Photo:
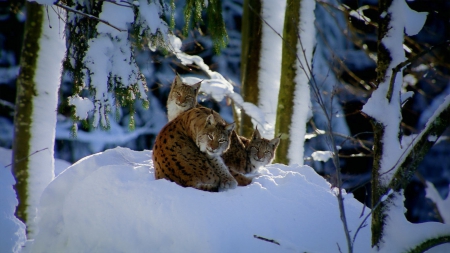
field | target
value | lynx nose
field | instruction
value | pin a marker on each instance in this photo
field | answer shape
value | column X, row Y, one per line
column 260, row 156
column 181, row 100
column 214, row 146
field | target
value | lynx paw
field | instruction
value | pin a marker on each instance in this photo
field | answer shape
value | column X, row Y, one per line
column 227, row 184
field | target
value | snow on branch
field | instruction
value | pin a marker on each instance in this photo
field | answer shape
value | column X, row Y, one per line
column 67, row 8
column 384, row 105
column 217, row 86
column 418, row 146
column 100, row 55
column 416, row 237
column 443, row 205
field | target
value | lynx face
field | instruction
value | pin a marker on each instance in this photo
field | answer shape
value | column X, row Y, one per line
column 260, row 151
column 214, row 139
column 182, row 97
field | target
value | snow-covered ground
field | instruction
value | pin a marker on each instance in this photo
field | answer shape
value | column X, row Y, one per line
column 110, row 202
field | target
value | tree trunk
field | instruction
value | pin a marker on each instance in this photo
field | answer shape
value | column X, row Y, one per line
column 250, row 59
column 26, row 90
column 287, row 81
column 379, row 187
column 36, row 104
column 294, row 95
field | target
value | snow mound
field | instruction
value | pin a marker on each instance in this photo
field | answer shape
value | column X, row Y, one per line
column 12, row 230
column 110, row 202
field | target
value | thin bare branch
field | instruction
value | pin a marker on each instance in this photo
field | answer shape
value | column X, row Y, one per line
column 24, row 158
column 401, row 65
column 90, row 16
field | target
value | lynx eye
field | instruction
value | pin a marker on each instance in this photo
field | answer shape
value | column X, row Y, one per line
column 210, row 137
column 222, row 140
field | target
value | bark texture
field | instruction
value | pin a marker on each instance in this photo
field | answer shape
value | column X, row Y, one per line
column 287, row 81
column 250, row 59
column 26, row 90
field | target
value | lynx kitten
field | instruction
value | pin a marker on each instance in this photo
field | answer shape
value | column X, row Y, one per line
column 246, row 156
column 188, row 151
column 182, row 97
column 260, row 151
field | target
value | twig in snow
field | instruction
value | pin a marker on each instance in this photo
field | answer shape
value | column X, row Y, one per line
column 90, row 16
column 266, row 239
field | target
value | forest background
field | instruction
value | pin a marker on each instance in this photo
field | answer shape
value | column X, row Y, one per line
column 346, row 38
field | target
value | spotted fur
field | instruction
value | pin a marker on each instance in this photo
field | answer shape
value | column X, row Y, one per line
column 188, row 151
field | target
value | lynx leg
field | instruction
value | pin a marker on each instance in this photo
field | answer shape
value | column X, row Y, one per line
column 240, row 178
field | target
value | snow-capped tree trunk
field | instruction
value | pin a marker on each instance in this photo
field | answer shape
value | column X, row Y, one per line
column 36, row 106
column 270, row 63
column 261, row 61
column 294, row 95
column 250, row 58
column 396, row 156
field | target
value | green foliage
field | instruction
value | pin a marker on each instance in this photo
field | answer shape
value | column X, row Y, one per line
column 216, row 25
column 142, row 34
column 82, row 34
column 126, row 87
column 79, row 30
column 192, row 10
column 172, row 15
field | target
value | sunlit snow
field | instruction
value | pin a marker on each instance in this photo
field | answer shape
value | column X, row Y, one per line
column 110, row 202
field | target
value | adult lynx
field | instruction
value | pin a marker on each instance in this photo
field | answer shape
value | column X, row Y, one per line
column 188, row 151
column 182, row 97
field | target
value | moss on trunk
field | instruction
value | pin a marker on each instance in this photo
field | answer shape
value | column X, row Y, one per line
column 287, row 82
column 250, row 58
column 378, row 190
column 26, row 90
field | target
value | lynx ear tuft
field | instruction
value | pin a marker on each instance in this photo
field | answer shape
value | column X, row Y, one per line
column 274, row 142
column 230, row 127
column 256, row 134
column 196, row 86
column 177, row 81
column 210, row 119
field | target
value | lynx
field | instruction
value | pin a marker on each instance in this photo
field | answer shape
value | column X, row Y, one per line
column 182, row 97
column 188, row 151
column 260, row 151
column 246, row 156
